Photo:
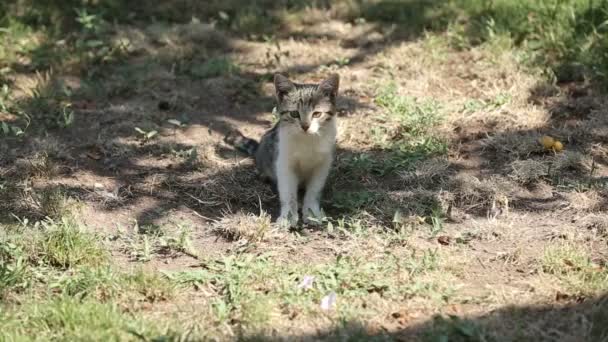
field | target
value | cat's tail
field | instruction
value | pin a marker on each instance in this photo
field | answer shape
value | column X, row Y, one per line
column 241, row 142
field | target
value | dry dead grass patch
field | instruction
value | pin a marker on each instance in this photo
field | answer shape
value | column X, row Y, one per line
column 597, row 223
column 243, row 290
column 514, row 145
column 471, row 192
column 428, row 173
column 572, row 161
column 250, row 227
column 587, row 201
column 528, row 171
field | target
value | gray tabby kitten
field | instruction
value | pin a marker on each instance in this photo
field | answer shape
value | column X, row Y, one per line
column 298, row 150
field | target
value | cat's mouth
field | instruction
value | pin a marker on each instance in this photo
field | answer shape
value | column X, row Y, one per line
column 309, row 132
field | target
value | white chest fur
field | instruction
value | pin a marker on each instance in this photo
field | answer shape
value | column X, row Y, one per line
column 304, row 153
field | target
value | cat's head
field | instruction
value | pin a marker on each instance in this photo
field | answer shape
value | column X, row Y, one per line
column 308, row 107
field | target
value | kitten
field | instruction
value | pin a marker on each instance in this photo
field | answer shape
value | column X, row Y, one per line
column 298, row 151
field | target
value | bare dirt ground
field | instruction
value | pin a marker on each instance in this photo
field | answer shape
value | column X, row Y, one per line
column 497, row 230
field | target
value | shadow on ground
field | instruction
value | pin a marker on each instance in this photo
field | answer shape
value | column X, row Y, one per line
column 582, row 319
column 114, row 90
column 183, row 70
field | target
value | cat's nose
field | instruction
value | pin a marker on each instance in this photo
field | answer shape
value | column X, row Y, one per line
column 305, row 126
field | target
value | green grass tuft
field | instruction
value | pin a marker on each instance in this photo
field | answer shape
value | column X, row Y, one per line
column 64, row 244
column 14, row 274
column 70, row 319
column 413, row 116
column 575, row 270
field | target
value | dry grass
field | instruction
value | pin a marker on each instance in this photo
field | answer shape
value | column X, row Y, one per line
column 514, row 145
column 528, row 171
column 427, row 173
column 572, row 161
column 587, row 201
column 597, row 223
column 242, row 226
column 471, row 192
column 443, row 201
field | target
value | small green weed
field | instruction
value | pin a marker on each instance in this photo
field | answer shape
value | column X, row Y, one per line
column 238, row 281
column 47, row 105
column 13, row 267
column 194, row 278
column 405, row 154
column 154, row 239
column 473, row 105
column 181, row 242
column 476, row 105
column 349, row 227
column 151, row 287
column 17, row 39
column 342, row 61
column 575, row 270
column 91, row 22
column 365, row 164
column 88, row 282
column 50, row 202
column 11, row 128
column 104, row 283
column 189, row 155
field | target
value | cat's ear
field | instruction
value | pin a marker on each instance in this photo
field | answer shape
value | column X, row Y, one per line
column 330, row 85
column 282, row 85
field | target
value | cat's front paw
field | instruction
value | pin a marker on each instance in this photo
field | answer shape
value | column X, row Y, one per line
column 313, row 217
column 287, row 221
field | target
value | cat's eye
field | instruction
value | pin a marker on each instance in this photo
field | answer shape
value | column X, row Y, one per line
column 294, row 114
column 316, row 114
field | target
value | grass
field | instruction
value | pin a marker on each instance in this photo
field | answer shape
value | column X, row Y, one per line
column 63, row 244
column 404, row 135
column 60, row 243
column 572, row 49
column 413, row 116
column 449, row 221
column 146, row 242
column 64, row 282
column 65, row 318
column 573, row 267
column 254, row 289
column 13, row 269
column 353, row 201
column 243, row 226
column 214, row 67
column 408, row 123
column 453, row 328
column 48, row 244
